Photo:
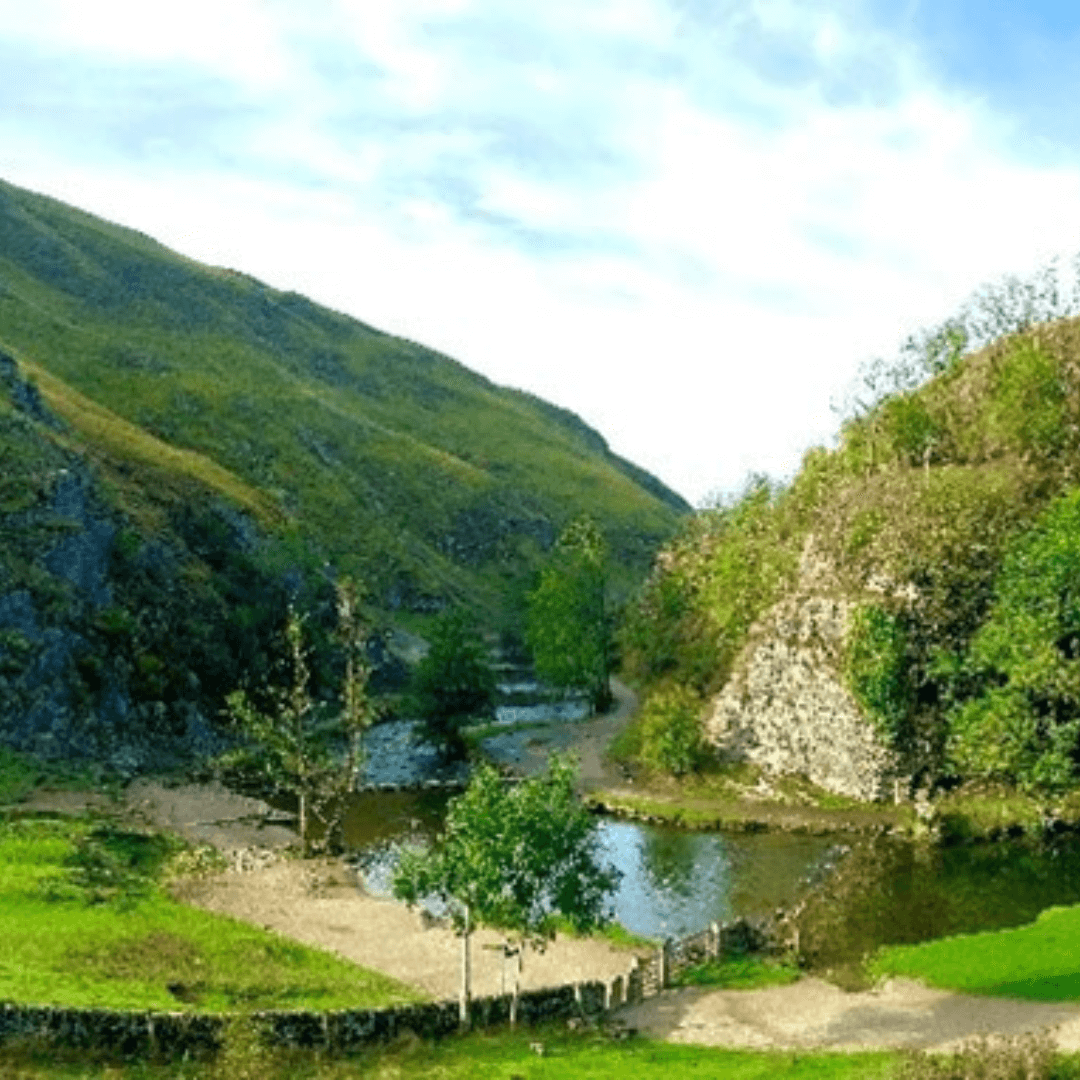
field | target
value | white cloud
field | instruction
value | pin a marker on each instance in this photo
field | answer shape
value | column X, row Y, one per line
column 680, row 229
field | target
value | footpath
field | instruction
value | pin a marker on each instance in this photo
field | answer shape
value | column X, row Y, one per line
column 812, row 1014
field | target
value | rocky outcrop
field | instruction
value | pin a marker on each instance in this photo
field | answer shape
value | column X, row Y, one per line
column 786, row 706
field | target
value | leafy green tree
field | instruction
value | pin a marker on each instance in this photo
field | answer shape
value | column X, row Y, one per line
column 1022, row 720
column 454, row 682
column 513, row 856
column 671, row 737
column 568, row 626
column 298, row 739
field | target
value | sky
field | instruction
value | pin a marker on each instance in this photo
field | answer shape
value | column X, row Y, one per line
column 689, row 221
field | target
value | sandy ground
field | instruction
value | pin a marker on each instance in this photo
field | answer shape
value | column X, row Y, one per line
column 319, row 904
column 322, row 903
column 814, row 1014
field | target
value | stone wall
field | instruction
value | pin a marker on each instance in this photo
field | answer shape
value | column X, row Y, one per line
column 786, row 707
column 138, row 1034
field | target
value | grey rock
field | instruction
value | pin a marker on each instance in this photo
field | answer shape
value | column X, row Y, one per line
column 17, row 612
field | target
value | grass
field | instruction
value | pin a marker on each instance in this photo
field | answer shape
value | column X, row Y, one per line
column 738, row 973
column 1036, row 962
column 22, row 773
column 485, row 1056
column 86, row 923
column 613, row 933
column 18, row 776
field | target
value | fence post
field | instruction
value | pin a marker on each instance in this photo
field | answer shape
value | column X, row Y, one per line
column 714, row 940
column 662, row 971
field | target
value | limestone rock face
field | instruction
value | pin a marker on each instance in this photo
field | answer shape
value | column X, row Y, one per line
column 786, row 707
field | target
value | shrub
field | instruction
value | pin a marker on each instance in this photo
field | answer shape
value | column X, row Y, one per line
column 1028, row 404
column 877, row 669
column 1020, row 724
column 671, row 737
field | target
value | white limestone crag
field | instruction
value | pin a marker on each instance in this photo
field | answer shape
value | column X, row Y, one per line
column 786, row 706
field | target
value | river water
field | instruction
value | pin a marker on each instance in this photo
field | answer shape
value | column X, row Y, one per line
column 675, row 882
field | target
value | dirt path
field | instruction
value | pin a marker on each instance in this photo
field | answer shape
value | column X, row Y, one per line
column 527, row 752
column 815, row 1014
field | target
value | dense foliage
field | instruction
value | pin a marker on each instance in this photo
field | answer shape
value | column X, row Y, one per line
column 945, row 513
column 569, row 627
column 1021, row 721
column 671, row 736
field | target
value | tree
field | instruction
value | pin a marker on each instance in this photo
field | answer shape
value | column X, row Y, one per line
column 453, row 682
column 671, row 737
column 568, row 627
column 1022, row 724
column 514, row 857
column 299, row 739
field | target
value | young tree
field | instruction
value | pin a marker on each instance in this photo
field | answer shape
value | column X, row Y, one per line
column 513, row 856
column 453, row 682
column 568, row 627
column 300, row 739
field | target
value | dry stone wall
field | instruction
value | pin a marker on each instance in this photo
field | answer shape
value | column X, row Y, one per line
column 786, row 707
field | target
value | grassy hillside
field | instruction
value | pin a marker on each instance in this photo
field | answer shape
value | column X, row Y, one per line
column 391, row 460
column 949, row 514
column 183, row 450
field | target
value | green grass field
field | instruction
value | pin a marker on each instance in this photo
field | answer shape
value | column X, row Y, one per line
column 87, row 924
column 737, row 973
column 484, row 1056
column 1039, row 962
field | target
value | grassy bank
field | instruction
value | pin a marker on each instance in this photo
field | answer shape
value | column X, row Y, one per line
column 87, row 923
column 741, row 799
column 1036, row 962
column 738, row 973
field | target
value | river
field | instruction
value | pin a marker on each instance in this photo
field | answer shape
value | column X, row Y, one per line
column 675, row 882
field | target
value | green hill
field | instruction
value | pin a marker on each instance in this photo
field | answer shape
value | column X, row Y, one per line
column 907, row 609
column 395, row 461
column 181, row 444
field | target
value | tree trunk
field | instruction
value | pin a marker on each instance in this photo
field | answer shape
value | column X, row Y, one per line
column 517, row 984
column 465, row 972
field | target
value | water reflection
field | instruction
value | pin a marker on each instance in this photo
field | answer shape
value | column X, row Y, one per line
column 675, row 883
column 894, row 892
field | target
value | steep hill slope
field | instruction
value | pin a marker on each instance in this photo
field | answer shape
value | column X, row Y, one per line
column 182, row 447
column 392, row 460
column 906, row 610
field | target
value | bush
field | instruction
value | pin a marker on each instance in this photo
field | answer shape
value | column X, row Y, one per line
column 1020, row 724
column 1022, row 1057
column 876, row 664
column 1028, row 404
column 671, row 737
